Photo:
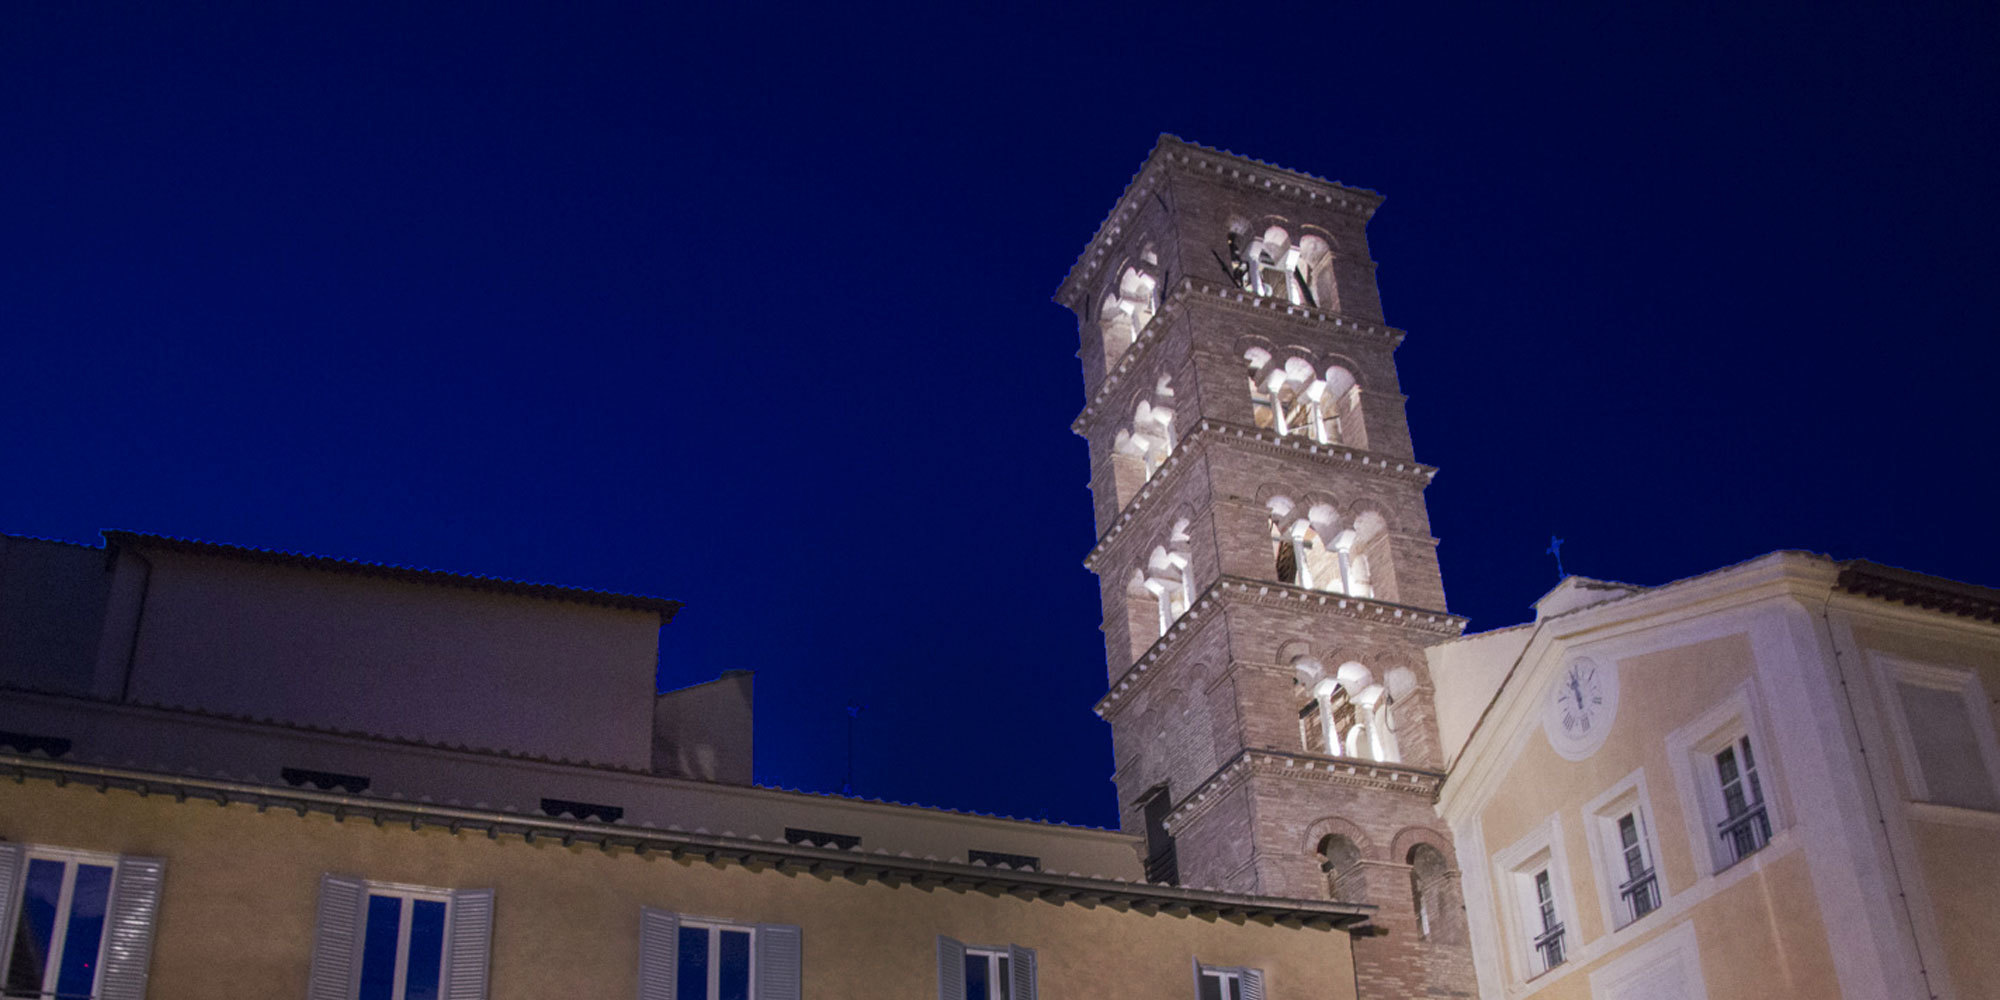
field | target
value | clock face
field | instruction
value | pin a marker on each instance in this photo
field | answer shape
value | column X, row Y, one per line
column 1580, row 708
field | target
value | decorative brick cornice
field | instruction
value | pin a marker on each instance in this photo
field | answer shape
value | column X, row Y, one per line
column 1352, row 772
column 750, row 852
column 1172, row 153
column 1210, row 431
column 1231, row 589
column 1232, row 298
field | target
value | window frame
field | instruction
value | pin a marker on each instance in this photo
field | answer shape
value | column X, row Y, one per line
column 776, row 969
column 1022, row 976
column 1892, row 673
column 1516, row 870
column 715, row 929
column 1692, row 750
column 131, row 909
column 405, row 921
column 1249, row 980
column 71, row 860
column 341, row 927
column 999, row 971
column 1628, row 796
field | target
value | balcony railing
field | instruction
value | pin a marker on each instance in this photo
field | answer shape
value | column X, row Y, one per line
column 1744, row 833
column 1641, row 895
column 1550, row 947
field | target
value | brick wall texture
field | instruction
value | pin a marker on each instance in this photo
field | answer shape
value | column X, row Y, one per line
column 1210, row 711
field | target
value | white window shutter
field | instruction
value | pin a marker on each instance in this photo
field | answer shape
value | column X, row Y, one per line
column 659, row 945
column 471, row 944
column 778, row 968
column 12, row 858
column 128, row 932
column 337, row 939
column 1253, row 984
column 1023, row 962
column 951, row 969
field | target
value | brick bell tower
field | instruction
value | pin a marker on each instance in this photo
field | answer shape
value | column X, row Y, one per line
column 1268, row 574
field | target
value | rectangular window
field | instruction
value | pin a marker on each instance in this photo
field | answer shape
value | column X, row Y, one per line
column 1549, row 942
column 984, row 972
column 996, row 858
column 77, row 924
column 1639, row 893
column 382, row 941
column 988, row 975
column 59, row 936
column 1730, row 788
column 1218, row 985
column 1951, row 749
column 820, row 838
column 698, row 958
column 1221, row 983
column 402, row 946
column 714, row 962
column 1745, row 826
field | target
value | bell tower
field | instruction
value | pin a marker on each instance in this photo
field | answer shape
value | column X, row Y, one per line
column 1268, row 575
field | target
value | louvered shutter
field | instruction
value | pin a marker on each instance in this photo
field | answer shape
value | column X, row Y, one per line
column 1023, row 961
column 951, row 969
column 128, row 939
column 659, row 943
column 12, row 858
column 778, row 967
column 1253, row 984
column 471, row 944
column 337, row 939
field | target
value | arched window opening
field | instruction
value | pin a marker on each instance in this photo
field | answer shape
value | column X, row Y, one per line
column 1440, row 916
column 1346, row 713
column 1150, row 439
column 1316, row 552
column 1340, row 862
column 1127, row 309
column 1274, row 265
column 1168, row 577
column 1293, row 399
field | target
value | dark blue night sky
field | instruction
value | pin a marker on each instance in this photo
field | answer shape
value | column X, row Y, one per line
column 751, row 309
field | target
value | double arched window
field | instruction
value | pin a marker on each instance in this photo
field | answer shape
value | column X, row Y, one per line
column 1150, row 439
column 1275, row 265
column 1347, row 712
column 1294, row 398
column 1128, row 306
column 1167, row 579
column 1314, row 548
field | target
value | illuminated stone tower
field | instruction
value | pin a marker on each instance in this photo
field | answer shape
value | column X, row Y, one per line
column 1268, row 573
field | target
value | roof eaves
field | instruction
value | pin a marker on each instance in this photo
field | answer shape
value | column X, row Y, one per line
column 893, row 869
column 408, row 574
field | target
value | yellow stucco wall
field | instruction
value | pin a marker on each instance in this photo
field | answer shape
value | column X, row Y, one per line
column 1759, row 932
column 1958, row 850
column 237, row 910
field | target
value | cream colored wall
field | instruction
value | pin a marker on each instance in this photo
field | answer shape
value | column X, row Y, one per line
column 1957, row 850
column 436, row 663
column 1466, row 673
column 1759, row 931
column 237, row 911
